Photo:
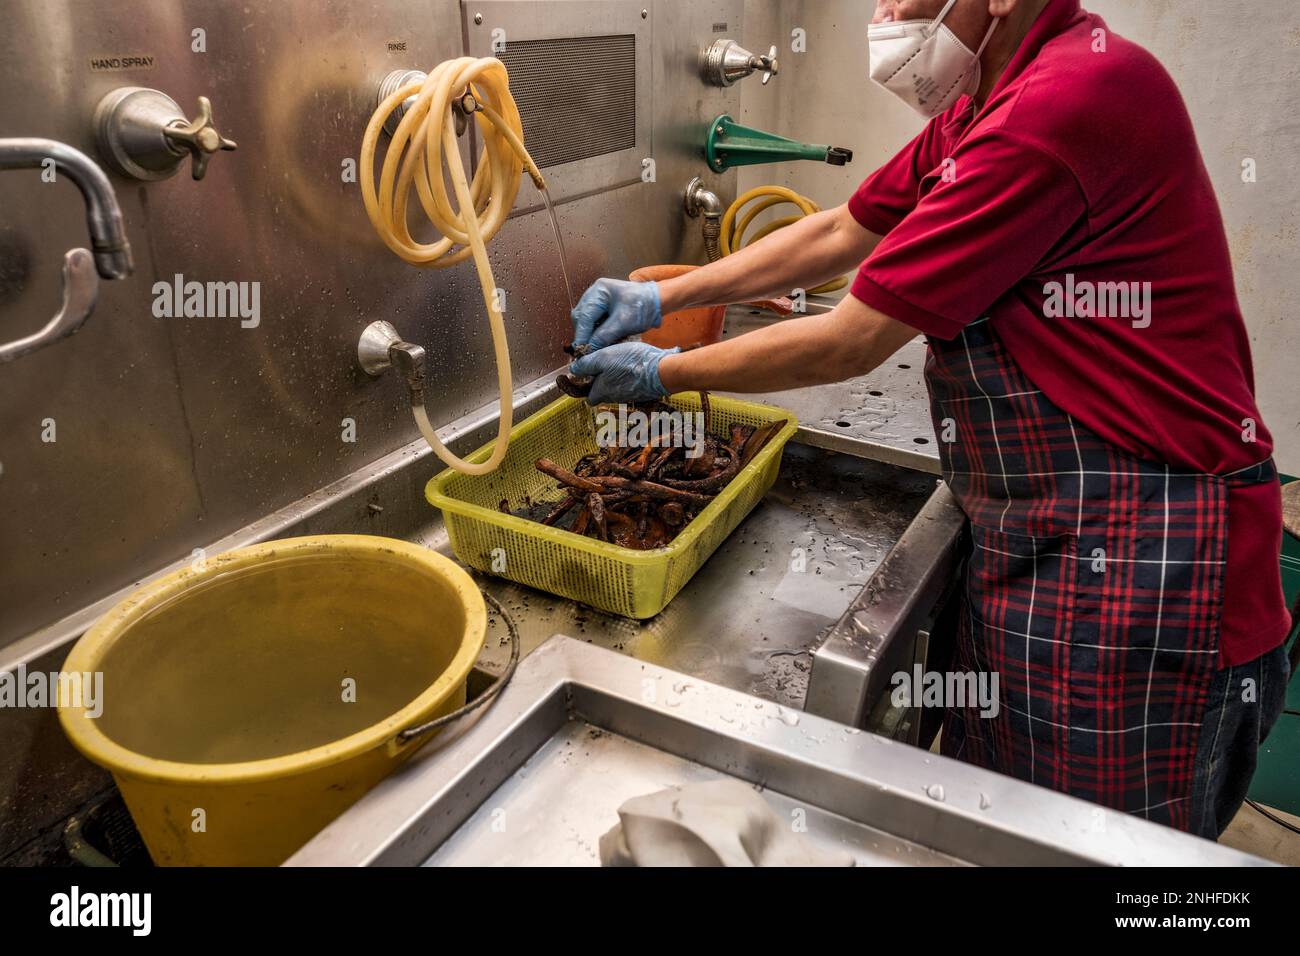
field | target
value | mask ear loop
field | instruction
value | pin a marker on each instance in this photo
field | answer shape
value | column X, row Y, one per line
column 974, row 69
column 987, row 37
column 932, row 27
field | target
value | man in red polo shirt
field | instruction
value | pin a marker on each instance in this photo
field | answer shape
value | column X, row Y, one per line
column 1054, row 234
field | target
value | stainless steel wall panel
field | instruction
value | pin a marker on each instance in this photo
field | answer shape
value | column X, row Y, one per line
column 174, row 432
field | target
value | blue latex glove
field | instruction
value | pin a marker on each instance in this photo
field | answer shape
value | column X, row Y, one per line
column 626, row 372
column 611, row 310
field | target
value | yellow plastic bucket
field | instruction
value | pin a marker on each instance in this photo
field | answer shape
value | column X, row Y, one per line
column 251, row 698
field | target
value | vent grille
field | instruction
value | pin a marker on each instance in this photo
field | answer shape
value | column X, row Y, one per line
column 577, row 95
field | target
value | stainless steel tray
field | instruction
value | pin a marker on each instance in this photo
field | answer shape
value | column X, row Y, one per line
column 540, row 775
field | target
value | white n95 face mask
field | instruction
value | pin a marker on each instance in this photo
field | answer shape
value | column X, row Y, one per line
column 923, row 63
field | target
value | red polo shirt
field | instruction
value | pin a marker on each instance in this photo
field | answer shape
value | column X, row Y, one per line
column 1083, row 171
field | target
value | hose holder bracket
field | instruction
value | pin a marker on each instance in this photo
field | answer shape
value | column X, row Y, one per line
column 729, row 144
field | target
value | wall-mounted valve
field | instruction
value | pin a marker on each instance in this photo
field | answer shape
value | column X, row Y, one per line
column 142, row 133
column 730, row 144
column 461, row 106
column 726, row 62
column 393, row 82
column 699, row 200
column 381, row 348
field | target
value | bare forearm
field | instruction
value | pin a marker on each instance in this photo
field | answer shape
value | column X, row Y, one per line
column 804, row 254
column 814, row 350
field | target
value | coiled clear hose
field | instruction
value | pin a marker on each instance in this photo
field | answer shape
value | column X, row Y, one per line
column 422, row 145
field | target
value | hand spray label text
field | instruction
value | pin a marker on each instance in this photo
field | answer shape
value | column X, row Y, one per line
column 208, row 300
column 115, row 64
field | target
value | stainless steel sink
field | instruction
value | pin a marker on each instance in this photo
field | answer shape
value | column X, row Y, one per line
column 839, row 578
column 539, row 776
column 753, row 617
column 756, row 617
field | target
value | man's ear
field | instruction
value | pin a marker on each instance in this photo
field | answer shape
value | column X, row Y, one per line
column 1002, row 8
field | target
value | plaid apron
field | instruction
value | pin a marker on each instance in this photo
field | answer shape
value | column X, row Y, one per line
column 1093, row 590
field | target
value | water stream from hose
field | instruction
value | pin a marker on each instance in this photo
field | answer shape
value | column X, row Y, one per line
column 568, row 285
column 559, row 244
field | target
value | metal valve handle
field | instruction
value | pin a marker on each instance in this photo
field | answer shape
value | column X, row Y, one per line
column 725, row 62
column 144, row 134
column 200, row 137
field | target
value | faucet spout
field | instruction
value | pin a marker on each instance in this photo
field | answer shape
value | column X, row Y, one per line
column 700, row 201
column 108, row 242
column 409, row 360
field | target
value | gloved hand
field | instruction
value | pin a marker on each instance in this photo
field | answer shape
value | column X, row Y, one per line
column 626, row 372
column 611, row 310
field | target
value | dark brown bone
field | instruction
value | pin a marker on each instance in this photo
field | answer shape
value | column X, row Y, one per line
column 761, row 437
column 564, row 477
column 648, row 488
column 642, row 496
column 563, row 508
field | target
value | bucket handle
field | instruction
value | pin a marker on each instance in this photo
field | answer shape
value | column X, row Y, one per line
column 405, row 737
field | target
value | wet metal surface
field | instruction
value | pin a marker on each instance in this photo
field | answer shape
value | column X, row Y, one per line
column 174, row 433
column 754, row 613
column 877, row 636
column 540, row 775
column 748, row 620
column 565, row 797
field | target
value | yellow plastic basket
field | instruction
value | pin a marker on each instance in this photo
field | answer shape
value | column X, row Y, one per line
column 624, row 581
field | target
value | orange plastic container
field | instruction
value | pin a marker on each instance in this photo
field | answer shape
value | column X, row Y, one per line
column 689, row 327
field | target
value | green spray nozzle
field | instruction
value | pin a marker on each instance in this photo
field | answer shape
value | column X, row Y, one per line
column 730, row 144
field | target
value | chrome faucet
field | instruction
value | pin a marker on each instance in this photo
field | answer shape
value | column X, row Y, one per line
column 381, row 348
column 103, row 217
column 726, row 62
column 109, row 255
column 701, row 201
